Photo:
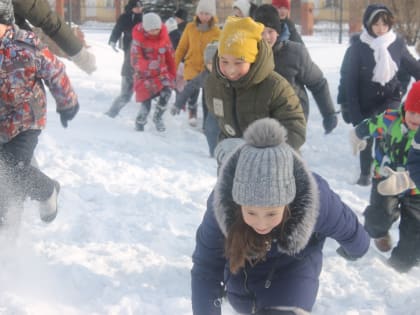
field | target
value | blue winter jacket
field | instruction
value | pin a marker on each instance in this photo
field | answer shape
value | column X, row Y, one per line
column 366, row 98
column 289, row 276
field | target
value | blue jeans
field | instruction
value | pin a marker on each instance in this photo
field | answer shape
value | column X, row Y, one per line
column 211, row 131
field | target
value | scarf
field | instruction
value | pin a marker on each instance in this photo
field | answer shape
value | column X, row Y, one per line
column 385, row 67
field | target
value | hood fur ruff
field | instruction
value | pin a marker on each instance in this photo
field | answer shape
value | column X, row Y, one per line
column 304, row 208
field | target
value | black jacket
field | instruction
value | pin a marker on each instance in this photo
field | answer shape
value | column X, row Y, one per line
column 124, row 25
column 175, row 35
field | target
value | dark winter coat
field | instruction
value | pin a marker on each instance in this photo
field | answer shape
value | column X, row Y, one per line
column 364, row 97
column 413, row 161
column 175, row 35
column 260, row 93
column 40, row 14
column 294, row 262
column 124, row 26
column 24, row 64
column 293, row 62
column 153, row 61
column 294, row 34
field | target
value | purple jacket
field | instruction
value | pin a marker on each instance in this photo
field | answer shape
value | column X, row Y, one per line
column 290, row 274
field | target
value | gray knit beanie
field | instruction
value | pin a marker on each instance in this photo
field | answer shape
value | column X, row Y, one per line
column 151, row 21
column 6, row 12
column 264, row 172
column 207, row 6
column 210, row 51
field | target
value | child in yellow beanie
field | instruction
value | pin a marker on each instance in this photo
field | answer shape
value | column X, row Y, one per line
column 244, row 87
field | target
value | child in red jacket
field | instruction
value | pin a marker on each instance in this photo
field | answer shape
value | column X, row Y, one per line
column 152, row 58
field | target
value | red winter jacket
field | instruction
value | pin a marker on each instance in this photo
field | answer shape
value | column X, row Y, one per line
column 153, row 61
column 24, row 64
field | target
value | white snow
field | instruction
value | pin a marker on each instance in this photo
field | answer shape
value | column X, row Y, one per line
column 130, row 204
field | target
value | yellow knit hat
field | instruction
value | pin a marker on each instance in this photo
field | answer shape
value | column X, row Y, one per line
column 240, row 37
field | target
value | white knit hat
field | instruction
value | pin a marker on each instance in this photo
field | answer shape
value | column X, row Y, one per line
column 207, row 6
column 243, row 5
column 151, row 21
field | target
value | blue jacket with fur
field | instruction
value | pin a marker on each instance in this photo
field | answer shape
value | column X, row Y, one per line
column 289, row 276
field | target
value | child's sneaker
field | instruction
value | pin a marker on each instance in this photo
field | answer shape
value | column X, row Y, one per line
column 384, row 244
column 192, row 117
column 48, row 208
column 160, row 126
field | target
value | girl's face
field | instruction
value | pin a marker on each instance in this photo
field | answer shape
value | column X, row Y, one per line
column 263, row 219
column 283, row 12
column 380, row 28
column 233, row 68
column 412, row 119
column 154, row 32
column 204, row 17
column 270, row 35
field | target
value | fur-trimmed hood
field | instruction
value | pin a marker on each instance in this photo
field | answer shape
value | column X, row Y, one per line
column 304, row 208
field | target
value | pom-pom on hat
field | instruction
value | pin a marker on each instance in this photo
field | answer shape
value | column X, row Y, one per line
column 243, row 5
column 207, row 6
column 6, row 12
column 240, row 37
column 281, row 3
column 264, row 171
column 412, row 102
column 151, row 21
column 268, row 15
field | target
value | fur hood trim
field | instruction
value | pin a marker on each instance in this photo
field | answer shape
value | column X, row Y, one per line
column 304, row 208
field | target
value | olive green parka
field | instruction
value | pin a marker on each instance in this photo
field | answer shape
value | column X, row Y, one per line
column 260, row 93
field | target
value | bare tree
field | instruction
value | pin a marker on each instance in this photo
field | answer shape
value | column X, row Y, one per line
column 407, row 14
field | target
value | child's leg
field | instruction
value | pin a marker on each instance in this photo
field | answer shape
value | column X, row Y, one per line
column 381, row 213
column 407, row 252
column 211, row 131
column 141, row 118
column 161, row 106
column 192, row 104
column 124, row 97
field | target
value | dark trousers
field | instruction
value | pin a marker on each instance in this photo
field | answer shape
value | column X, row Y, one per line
column 383, row 211
column 366, row 158
column 18, row 178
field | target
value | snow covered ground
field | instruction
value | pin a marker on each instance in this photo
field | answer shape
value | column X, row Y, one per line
column 130, row 204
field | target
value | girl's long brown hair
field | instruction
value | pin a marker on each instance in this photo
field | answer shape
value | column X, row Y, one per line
column 243, row 243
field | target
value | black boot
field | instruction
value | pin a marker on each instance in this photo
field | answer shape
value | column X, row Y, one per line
column 157, row 118
column 141, row 118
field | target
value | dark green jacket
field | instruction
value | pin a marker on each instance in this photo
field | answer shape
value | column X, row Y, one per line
column 40, row 14
column 260, row 93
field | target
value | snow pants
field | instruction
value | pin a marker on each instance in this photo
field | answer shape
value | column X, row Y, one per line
column 383, row 211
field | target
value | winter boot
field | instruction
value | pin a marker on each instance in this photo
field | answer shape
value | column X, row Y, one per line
column 141, row 118
column 157, row 118
column 384, row 244
column 192, row 116
column 364, row 180
column 48, row 208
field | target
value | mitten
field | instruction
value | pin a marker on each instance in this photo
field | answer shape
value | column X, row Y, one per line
column 85, row 60
column 154, row 64
column 357, row 144
column 329, row 122
column 174, row 110
column 396, row 183
column 342, row 252
column 68, row 114
column 114, row 46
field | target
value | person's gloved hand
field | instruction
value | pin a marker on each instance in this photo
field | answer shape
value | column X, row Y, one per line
column 396, row 183
column 114, row 46
column 68, row 114
column 154, row 64
column 174, row 110
column 342, row 252
column 330, row 122
column 357, row 144
column 85, row 60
